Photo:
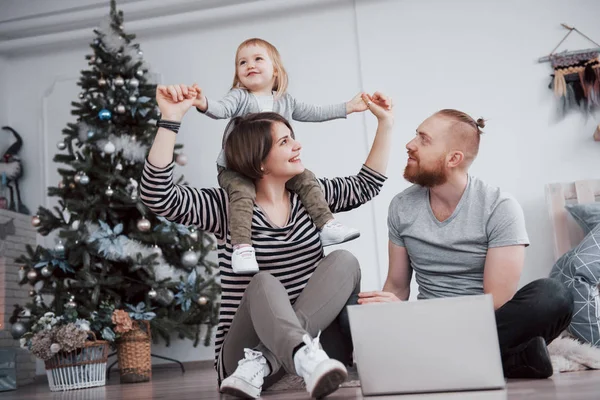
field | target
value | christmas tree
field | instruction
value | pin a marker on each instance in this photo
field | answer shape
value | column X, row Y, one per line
column 110, row 250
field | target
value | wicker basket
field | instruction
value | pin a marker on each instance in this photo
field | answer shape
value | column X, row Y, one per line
column 133, row 351
column 78, row 369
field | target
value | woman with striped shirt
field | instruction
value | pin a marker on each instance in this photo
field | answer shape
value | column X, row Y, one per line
column 273, row 319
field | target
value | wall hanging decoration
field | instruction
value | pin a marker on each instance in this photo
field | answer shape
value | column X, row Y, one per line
column 11, row 170
column 576, row 77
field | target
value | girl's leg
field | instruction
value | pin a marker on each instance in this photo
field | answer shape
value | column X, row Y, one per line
column 312, row 197
column 242, row 194
column 311, row 194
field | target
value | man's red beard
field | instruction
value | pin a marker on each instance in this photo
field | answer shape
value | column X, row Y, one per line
column 430, row 177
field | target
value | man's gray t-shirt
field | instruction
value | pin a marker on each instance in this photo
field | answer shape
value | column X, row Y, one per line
column 448, row 257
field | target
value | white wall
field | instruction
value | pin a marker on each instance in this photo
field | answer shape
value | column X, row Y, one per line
column 481, row 57
column 477, row 56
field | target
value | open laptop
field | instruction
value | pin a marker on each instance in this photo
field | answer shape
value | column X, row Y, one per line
column 437, row 345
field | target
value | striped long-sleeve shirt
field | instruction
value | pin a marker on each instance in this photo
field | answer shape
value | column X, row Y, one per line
column 290, row 253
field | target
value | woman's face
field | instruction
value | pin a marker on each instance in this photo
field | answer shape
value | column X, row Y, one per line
column 283, row 161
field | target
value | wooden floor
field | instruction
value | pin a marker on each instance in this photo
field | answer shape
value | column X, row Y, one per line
column 198, row 384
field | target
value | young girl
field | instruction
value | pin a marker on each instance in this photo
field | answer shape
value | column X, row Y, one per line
column 259, row 85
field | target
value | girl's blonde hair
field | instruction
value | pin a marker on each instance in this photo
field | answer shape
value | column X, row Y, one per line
column 281, row 78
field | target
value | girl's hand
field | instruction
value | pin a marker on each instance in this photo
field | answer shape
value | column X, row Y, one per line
column 200, row 102
column 174, row 100
column 356, row 104
column 380, row 105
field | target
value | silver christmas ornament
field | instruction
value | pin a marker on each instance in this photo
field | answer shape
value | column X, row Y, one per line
column 61, row 145
column 17, row 330
column 202, row 300
column 81, row 96
column 121, row 109
column 133, row 82
column 165, row 297
column 194, row 234
column 143, row 225
column 98, row 60
column 35, row 221
column 152, row 294
column 139, row 73
column 119, row 167
column 109, row 148
column 132, row 99
column 71, row 303
column 109, row 192
column 46, row 272
column 77, row 178
column 156, row 250
column 90, row 134
column 181, row 159
column 101, row 82
column 32, row 275
column 84, row 180
column 32, row 293
column 189, row 259
column 60, row 247
column 133, row 138
column 119, row 81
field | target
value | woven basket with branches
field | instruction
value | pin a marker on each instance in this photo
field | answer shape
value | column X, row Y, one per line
column 133, row 352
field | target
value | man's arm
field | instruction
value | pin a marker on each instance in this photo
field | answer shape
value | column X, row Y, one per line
column 399, row 272
column 502, row 271
column 397, row 284
column 505, row 258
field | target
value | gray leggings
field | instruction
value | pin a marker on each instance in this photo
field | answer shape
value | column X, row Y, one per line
column 269, row 323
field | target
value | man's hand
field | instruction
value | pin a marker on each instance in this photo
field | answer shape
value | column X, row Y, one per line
column 376, row 297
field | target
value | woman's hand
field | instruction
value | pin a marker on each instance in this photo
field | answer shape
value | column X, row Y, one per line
column 380, row 105
column 174, row 100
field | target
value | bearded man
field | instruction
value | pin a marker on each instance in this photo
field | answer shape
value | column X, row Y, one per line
column 464, row 237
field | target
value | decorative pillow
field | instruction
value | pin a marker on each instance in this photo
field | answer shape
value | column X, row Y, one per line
column 579, row 270
column 586, row 215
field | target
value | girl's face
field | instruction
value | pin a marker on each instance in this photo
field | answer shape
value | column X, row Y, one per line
column 255, row 69
column 283, row 161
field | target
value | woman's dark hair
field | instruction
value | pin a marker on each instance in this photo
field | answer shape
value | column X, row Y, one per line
column 250, row 141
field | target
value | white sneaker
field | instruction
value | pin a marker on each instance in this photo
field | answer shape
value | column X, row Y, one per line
column 322, row 375
column 247, row 380
column 335, row 232
column 243, row 260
